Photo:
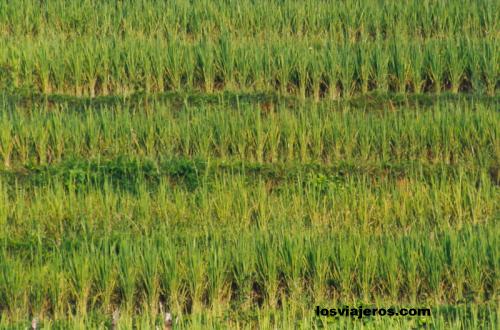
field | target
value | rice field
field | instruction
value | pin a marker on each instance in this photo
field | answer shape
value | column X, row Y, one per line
column 234, row 164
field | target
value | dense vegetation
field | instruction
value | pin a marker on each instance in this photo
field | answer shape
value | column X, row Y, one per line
column 238, row 163
column 306, row 48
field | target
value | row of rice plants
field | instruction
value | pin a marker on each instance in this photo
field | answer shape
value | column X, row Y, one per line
column 342, row 21
column 99, row 67
column 363, row 201
column 447, row 133
column 214, row 269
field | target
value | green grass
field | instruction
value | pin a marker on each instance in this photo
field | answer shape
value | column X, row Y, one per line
column 238, row 163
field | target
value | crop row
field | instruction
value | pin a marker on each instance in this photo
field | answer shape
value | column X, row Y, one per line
column 341, row 20
column 450, row 133
column 319, row 69
column 238, row 197
column 254, row 269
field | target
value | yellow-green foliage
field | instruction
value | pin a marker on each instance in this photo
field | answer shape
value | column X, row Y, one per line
column 238, row 163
